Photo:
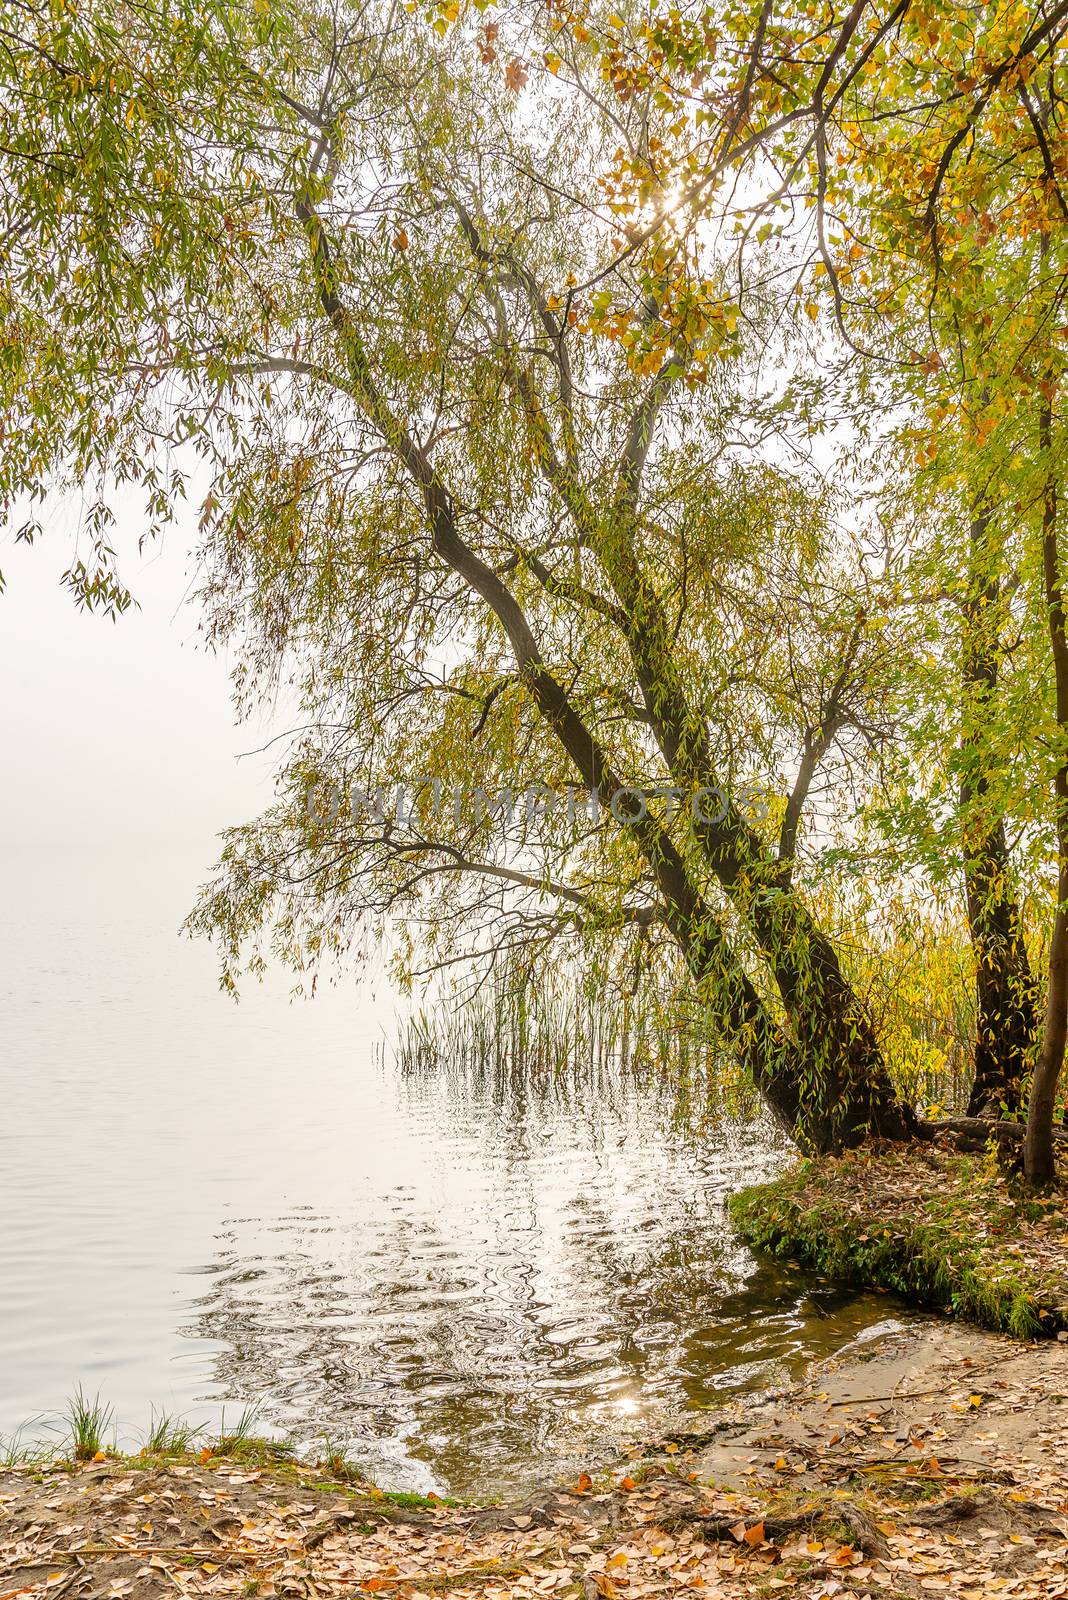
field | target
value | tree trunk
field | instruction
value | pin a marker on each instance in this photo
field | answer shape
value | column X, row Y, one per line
column 1006, row 1001
column 848, row 1092
column 1039, row 1167
column 1006, row 1025
column 1038, row 1157
column 825, row 1080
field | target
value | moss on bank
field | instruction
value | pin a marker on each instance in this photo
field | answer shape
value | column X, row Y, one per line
column 943, row 1230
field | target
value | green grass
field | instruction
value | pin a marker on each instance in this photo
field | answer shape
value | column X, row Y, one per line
column 942, row 1231
column 87, row 1424
column 416, row 1502
column 22, row 1449
column 242, row 1443
column 168, row 1435
column 333, row 1459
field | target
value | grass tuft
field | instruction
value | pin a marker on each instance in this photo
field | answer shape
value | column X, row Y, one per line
column 332, row 1459
column 167, row 1435
column 87, row 1423
column 242, row 1443
column 18, row 1450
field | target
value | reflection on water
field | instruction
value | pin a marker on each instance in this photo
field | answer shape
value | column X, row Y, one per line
column 555, row 1276
column 463, row 1279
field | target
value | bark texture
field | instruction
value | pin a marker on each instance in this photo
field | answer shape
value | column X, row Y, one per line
column 1038, row 1155
column 1006, row 993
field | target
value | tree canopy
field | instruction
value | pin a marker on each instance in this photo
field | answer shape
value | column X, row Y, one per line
column 650, row 413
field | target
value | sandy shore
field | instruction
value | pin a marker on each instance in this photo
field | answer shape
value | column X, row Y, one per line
column 933, row 1460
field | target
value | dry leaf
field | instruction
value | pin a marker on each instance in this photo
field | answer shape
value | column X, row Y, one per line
column 515, row 74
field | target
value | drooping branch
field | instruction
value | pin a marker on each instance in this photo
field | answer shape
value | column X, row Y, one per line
column 747, row 1024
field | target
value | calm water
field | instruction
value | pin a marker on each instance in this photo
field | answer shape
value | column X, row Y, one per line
column 461, row 1280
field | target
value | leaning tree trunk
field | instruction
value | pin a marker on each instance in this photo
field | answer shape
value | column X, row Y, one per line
column 848, row 1093
column 1005, row 988
column 1038, row 1156
column 824, row 1077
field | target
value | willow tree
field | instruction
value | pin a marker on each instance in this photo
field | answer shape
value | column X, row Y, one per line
column 109, row 117
column 940, row 244
column 917, row 158
column 482, row 453
column 938, row 254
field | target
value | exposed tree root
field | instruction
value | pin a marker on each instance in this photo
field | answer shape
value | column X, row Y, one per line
column 865, row 1534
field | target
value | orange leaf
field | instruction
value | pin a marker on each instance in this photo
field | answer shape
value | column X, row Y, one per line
column 584, row 1484
column 515, row 74
column 755, row 1534
column 626, row 1483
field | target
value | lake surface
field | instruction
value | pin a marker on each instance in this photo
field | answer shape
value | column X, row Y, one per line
column 465, row 1281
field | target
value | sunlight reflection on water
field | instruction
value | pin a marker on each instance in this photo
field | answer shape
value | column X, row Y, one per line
column 461, row 1278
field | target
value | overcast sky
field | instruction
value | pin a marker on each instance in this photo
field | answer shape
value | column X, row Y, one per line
column 119, row 744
